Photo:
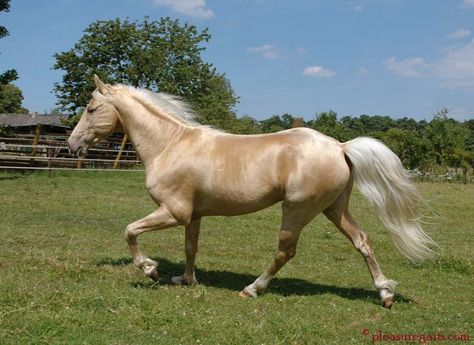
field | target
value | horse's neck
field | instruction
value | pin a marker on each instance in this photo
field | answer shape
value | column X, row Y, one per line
column 149, row 133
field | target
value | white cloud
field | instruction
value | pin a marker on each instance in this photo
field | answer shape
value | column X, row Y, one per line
column 468, row 3
column 267, row 51
column 354, row 5
column 318, row 72
column 457, row 67
column 411, row 67
column 193, row 8
column 460, row 34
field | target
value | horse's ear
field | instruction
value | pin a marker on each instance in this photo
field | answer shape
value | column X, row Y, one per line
column 101, row 86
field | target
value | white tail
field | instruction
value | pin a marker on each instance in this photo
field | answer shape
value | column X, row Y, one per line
column 381, row 178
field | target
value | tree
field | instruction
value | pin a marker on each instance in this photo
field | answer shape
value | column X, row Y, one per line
column 449, row 139
column 11, row 74
column 10, row 99
column 246, row 125
column 4, row 7
column 469, row 143
column 162, row 56
column 10, row 95
column 414, row 151
column 327, row 123
column 215, row 105
column 272, row 124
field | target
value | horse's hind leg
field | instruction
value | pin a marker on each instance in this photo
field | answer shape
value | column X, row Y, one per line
column 293, row 221
column 339, row 214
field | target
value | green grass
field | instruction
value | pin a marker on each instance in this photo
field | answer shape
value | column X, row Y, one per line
column 66, row 274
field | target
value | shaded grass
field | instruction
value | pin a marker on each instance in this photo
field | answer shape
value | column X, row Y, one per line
column 66, row 274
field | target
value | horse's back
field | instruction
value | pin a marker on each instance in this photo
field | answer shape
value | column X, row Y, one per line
column 256, row 171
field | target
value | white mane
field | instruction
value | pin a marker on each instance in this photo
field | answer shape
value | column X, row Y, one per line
column 166, row 103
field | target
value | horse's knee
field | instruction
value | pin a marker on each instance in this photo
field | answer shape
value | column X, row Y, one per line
column 130, row 234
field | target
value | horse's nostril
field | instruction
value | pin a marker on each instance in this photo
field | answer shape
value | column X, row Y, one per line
column 69, row 147
column 79, row 151
column 74, row 145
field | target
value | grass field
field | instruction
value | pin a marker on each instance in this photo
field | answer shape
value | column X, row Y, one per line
column 66, row 276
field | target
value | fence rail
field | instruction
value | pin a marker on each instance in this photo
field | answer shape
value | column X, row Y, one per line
column 50, row 152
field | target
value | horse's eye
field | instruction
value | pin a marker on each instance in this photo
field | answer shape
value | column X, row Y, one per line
column 91, row 110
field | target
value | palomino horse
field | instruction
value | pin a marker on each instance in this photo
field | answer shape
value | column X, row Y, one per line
column 194, row 171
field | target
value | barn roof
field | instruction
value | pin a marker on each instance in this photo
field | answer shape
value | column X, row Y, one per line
column 26, row 120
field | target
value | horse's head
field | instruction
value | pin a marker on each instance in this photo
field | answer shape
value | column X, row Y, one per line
column 99, row 119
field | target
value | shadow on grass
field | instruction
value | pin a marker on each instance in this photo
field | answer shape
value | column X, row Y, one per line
column 237, row 281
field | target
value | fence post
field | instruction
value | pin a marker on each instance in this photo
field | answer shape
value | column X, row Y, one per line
column 119, row 154
column 36, row 139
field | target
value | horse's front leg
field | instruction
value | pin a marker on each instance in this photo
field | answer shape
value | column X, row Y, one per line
column 160, row 219
column 190, row 247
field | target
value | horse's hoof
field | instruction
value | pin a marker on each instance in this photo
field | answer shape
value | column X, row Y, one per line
column 388, row 302
column 152, row 272
column 179, row 280
column 246, row 294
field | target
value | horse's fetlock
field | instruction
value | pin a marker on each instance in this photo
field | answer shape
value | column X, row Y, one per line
column 290, row 254
column 365, row 253
column 138, row 263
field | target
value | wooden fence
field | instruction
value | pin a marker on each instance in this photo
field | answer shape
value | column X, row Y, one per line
column 43, row 151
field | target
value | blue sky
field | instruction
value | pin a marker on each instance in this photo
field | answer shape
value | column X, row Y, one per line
column 389, row 57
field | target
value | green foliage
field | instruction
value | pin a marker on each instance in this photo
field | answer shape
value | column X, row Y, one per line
column 327, row 123
column 448, row 139
column 10, row 95
column 162, row 55
column 215, row 104
column 8, row 76
column 10, row 99
column 72, row 121
column 276, row 123
column 4, row 7
column 414, row 151
column 246, row 125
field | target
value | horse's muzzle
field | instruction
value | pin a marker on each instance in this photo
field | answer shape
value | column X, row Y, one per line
column 76, row 147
